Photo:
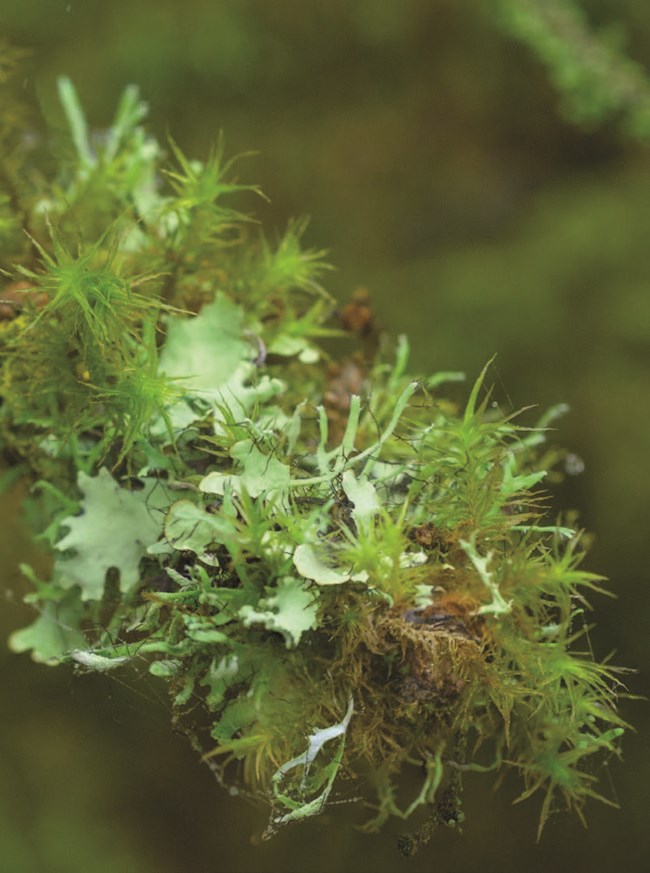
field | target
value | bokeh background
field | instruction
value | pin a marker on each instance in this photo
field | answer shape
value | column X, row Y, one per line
column 428, row 148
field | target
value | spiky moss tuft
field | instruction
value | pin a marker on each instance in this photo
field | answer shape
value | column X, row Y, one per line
column 338, row 573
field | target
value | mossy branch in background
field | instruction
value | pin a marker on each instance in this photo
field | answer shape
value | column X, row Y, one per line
column 597, row 80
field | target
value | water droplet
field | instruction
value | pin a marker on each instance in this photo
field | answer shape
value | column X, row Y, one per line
column 574, row 465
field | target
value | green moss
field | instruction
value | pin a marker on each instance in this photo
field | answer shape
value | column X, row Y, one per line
column 334, row 581
column 596, row 79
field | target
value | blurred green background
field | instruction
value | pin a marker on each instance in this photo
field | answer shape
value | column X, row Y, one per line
column 429, row 151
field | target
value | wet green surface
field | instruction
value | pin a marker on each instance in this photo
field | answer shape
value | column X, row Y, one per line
column 428, row 150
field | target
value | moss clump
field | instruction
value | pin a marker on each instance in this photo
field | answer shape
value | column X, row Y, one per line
column 336, row 571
